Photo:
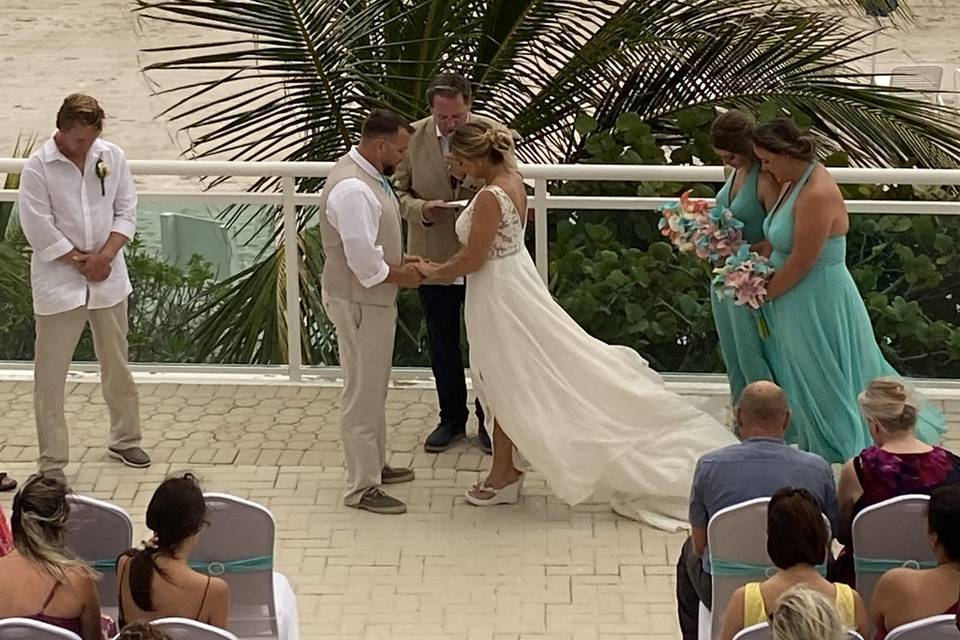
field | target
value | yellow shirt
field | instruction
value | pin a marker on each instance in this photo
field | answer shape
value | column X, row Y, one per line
column 755, row 612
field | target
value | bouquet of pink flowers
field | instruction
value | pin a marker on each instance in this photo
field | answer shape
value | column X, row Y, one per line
column 743, row 277
column 692, row 227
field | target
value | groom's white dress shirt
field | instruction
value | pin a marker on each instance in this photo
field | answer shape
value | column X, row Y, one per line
column 61, row 209
column 353, row 210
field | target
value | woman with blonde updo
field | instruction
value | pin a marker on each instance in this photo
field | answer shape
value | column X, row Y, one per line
column 52, row 585
column 805, row 614
column 899, row 463
column 821, row 348
column 591, row 417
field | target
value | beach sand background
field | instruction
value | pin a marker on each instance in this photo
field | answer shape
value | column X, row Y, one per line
column 50, row 48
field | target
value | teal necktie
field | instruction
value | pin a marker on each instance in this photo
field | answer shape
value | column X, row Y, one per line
column 389, row 189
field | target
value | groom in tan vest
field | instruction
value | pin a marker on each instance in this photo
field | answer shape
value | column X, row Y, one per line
column 363, row 267
column 427, row 181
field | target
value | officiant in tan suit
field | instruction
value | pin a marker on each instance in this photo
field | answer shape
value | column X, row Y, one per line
column 364, row 265
column 428, row 179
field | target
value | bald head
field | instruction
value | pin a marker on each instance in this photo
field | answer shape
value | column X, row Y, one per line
column 763, row 410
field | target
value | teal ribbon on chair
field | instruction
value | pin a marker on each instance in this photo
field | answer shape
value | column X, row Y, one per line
column 724, row 568
column 104, row 564
column 245, row 565
column 882, row 565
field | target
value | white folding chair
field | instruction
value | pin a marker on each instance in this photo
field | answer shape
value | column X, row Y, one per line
column 27, row 629
column 888, row 535
column 737, row 543
column 238, row 546
column 761, row 631
column 933, row 628
column 186, row 629
column 98, row 532
column 927, row 77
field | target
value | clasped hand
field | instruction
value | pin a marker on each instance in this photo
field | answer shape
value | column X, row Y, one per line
column 95, row 267
column 423, row 268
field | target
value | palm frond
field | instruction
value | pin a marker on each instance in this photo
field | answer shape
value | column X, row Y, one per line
column 713, row 52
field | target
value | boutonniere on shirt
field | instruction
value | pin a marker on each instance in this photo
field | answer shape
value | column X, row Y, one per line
column 102, row 172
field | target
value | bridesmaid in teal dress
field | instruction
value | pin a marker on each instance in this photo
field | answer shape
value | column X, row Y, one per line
column 748, row 193
column 821, row 348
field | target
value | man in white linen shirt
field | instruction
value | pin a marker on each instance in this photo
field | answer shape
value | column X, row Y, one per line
column 364, row 265
column 78, row 208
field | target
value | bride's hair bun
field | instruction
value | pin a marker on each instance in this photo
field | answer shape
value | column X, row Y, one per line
column 484, row 141
column 784, row 137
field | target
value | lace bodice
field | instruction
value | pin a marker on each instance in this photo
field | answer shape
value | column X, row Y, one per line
column 509, row 238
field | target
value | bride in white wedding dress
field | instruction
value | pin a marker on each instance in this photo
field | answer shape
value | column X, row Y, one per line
column 593, row 418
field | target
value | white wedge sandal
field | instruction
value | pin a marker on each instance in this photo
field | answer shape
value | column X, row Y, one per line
column 509, row 494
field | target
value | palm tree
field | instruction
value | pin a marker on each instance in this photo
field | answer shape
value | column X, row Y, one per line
column 294, row 78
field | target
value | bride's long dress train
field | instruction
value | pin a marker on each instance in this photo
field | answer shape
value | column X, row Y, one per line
column 593, row 418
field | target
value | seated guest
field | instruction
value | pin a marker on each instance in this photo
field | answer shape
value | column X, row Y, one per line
column 52, row 584
column 797, row 540
column 157, row 581
column 905, row 595
column 142, row 631
column 805, row 614
column 898, row 464
column 756, row 468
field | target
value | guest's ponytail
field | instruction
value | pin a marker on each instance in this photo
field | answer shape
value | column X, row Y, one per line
column 176, row 512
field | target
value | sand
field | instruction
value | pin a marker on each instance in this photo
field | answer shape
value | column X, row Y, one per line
column 50, row 48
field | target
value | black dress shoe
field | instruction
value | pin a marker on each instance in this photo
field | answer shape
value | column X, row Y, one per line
column 484, row 439
column 444, row 437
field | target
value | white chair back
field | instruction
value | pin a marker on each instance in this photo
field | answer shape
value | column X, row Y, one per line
column 761, row 631
column 98, row 532
column 887, row 535
column 186, row 629
column 27, row 629
column 737, row 542
column 934, row 628
column 238, row 547
column 736, row 537
column 918, row 78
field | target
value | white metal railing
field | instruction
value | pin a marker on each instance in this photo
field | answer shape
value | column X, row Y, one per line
column 542, row 202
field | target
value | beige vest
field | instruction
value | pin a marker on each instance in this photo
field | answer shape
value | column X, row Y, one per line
column 337, row 279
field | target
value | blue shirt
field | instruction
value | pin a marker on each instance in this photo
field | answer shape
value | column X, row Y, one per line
column 758, row 468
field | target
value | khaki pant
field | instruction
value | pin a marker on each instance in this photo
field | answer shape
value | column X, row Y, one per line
column 365, row 335
column 57, row 337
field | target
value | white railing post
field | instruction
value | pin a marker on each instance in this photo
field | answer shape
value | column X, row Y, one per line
column 292, row 284
column 540, row 227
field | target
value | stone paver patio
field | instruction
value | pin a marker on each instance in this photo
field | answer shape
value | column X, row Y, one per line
column 539, row 569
